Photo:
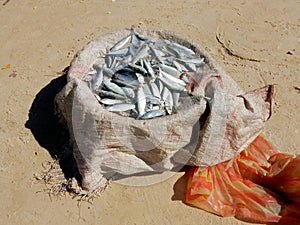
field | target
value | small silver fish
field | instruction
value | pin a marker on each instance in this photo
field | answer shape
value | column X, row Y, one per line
column 140, row 53
column 110, row 94
column 129, row 92
column 109, row 101
column 137, row 68
column 149, row 69
column 159, row 85
column 169, row 61
column 165, row 93
column 120, row 44
column 182, row 49
column 113, row 87
column 154, row 89
column 190, row 67
column 153, row 114
column 109, row 61
column 120, row 52
column 171, row 51
column 141, row 101
column 170, row 70
column 147, row 90
column 108, row 72
column 161, row 43
column 178, row 66
column 153, row 100
column 172, row 79
column 156, row 54
column 120, row 107
column 196, row 61
column 97, row 81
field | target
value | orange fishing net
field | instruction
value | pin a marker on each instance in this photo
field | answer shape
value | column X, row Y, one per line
column 259, row 185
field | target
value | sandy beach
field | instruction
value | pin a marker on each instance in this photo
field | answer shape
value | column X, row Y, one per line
column 255, row 42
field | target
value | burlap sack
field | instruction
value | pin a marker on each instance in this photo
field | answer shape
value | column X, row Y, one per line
column 214, row 129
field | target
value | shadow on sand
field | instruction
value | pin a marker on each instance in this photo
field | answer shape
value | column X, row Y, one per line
column 47, row 130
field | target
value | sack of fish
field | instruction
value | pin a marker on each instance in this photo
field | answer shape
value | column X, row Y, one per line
column 146, row 100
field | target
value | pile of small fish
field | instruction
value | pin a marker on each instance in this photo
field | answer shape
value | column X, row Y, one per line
column 142, row 77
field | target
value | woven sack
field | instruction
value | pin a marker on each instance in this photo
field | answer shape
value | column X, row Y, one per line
column 222, row 123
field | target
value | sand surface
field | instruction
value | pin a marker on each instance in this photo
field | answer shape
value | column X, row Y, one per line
column 249, row 39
